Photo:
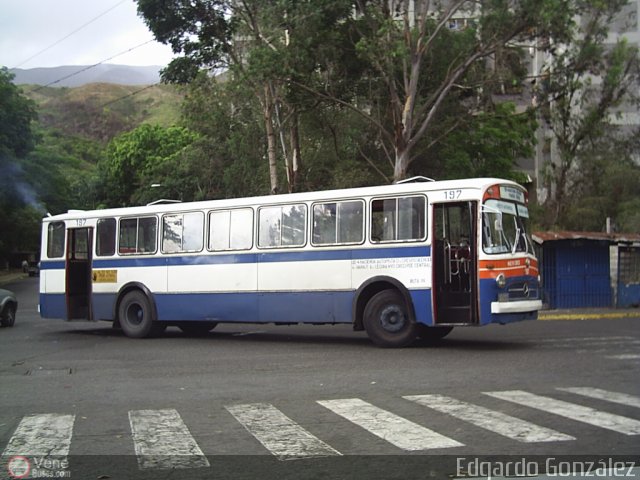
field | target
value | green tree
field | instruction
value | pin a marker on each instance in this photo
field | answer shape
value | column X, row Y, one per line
column 579, row 111
column 17, row 113
column 229, row 154
column 607, row 185
column 399, row 65
column 19, row 209
column 489, row 144
column 418, row 62
column 148, row 155
column 265, row 46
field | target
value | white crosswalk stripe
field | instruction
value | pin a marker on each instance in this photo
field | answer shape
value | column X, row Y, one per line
column 591, row 416
column 46, row 435
column 497, row 422
column 399, row 431
column 278, row 433
column 43, row 438
column 574, row 340
column 162, row 440
column 615, row 397
column 624, row 356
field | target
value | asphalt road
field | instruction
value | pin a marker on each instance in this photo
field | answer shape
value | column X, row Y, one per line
column 254, row 401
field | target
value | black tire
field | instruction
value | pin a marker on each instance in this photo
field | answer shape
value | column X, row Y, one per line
column 433, row 334
column 8, row 317
column 136, row 316
column 197, row 328
column 387, row 320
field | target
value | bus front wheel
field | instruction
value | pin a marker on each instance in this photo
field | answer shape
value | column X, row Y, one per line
column 135, row 314
column 387, row 321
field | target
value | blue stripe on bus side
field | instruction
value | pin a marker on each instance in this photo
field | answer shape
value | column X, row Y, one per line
column 269, row 307
column 262, row 307
column 251, row 257
column 53, row 305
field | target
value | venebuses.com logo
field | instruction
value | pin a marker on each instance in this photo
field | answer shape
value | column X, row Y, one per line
column 19, row 466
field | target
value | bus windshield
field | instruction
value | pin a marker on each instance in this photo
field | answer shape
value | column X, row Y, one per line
column 505, row 227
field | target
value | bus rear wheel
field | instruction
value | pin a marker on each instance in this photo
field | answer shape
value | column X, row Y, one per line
column 135, row 315
column 387, row 321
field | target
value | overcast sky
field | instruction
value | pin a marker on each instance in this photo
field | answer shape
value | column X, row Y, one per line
column 103, row 29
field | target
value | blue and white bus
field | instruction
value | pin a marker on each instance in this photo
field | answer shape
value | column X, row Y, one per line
column 401, row 261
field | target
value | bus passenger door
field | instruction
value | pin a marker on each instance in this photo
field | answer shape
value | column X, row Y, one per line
column 78, row 273
column 455, row 263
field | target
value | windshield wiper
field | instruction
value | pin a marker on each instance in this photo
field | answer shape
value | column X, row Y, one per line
column 517, row 239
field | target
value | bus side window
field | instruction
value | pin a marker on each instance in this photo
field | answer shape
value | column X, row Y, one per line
column 282, row 226
column 383, row 220
column 351, row 222
column 106, row 237
column 395, row 219
column 55, row 240
column 137, row 235
column 338, row 223
column 183, row 232
column 231, row 229
column 411, row 218
column 147, row 235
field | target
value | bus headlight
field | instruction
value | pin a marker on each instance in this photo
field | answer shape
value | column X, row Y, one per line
column 501, row 280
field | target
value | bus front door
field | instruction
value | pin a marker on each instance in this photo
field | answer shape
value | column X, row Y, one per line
column 455, row 262
column 78, row 273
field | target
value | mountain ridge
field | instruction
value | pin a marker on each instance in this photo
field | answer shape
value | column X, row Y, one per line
column 79, row 75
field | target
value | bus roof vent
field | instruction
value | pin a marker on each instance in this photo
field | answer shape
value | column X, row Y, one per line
column 419, row 178
column 163, row 201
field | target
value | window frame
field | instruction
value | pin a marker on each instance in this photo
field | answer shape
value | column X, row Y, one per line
column 282, row 206
column 396, row 197
column 50, row 230
column 138, row 218
column 182, row 250
column 337, row 202
column 231, row 210
column 115, row 236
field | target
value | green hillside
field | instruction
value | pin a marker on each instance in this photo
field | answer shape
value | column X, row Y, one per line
column 101, row 111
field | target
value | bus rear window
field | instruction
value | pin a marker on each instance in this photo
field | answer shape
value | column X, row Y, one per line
column 55, row 240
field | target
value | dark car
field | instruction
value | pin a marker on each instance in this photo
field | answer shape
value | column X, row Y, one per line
column 33, row 269
column 8, row 308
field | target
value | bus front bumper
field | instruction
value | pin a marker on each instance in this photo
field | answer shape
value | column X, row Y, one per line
column 516, row 307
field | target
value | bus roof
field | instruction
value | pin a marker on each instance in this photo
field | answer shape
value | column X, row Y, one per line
column 479, row 184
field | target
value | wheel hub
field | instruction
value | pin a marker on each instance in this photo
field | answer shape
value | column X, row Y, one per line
column 135, row 314
column 392, row 318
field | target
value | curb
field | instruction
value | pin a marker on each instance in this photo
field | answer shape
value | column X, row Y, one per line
column 587, row 316
column 11, row 277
